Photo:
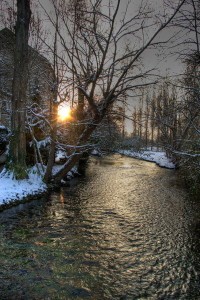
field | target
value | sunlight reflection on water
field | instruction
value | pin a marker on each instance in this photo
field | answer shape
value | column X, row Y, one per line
column 125, row 231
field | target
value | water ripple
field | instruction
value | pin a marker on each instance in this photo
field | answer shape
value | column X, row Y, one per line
column 125, row 231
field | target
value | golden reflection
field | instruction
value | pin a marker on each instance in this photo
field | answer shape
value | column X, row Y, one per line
column 62, row 200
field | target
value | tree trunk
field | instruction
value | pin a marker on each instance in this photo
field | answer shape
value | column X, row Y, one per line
column 19, row 88
column 51, row 158
column 80, row 106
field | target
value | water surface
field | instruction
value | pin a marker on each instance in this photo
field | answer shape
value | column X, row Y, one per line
column 124, row 231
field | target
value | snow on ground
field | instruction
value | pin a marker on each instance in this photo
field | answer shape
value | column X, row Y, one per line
column 60, row 155
column 159, row 158
column 96, row 152
column 12, row 189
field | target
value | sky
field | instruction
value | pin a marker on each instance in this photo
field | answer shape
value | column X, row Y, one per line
column 151, row 58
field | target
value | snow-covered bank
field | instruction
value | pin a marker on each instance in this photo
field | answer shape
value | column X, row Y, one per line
column 12, row 189
column 159, row 158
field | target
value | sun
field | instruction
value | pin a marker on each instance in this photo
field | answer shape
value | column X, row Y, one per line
column 64, row 113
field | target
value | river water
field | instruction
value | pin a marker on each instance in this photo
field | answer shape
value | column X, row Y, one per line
column 125, row 230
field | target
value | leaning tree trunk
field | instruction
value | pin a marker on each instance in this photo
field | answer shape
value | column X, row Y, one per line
column 74, row 157
column 19, row 88
column 51, row 158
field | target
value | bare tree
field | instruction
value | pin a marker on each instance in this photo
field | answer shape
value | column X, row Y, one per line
column 146, row 116
column 103, row 60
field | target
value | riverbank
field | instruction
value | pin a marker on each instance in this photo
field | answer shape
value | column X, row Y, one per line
column 159, row 158
column 13, row 191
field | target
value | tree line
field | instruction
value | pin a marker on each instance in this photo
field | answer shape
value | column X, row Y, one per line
column 168, row 118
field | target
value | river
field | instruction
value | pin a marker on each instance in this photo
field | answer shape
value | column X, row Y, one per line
column 125, row 230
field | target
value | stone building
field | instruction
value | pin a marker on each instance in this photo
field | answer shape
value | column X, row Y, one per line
column 41, row 83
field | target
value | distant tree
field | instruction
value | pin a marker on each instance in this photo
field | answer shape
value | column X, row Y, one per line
column 146, row 120
column 152, row 119
column 165, row 117
column 108, row 135
column 187, row 24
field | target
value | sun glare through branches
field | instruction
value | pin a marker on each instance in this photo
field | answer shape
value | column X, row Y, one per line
column 64, row 113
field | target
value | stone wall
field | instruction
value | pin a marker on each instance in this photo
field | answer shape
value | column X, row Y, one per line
column 41, row 84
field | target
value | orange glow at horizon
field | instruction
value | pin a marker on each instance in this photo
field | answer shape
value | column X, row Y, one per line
column 64, row 113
